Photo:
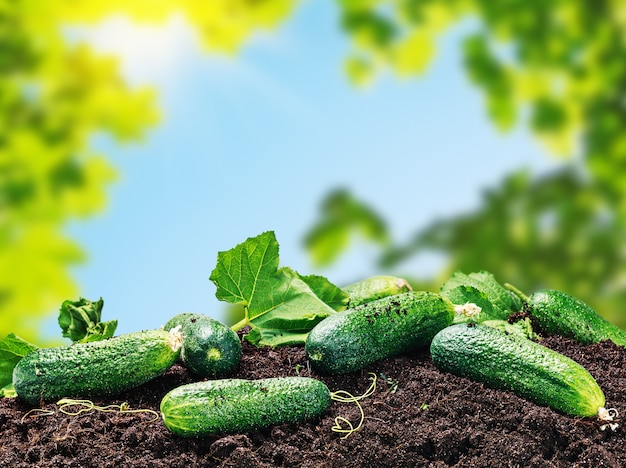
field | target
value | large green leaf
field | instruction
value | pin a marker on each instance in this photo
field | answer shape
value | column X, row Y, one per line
column 278, row 302
column 334, row 297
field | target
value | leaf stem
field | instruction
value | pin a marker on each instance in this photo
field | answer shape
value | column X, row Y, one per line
column 239, row 325
column 516, row 291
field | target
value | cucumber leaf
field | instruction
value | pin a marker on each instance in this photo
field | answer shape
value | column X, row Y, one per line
column 80, row 321
column 279, row 305
column 12, row 349
column 277, row 337
column 469, row 294
column 334, row 297
column 522, row 328
column 8, row 391
column 484, row 290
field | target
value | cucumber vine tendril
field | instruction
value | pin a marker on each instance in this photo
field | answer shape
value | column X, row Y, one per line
column 71, row 407
column 343, row 396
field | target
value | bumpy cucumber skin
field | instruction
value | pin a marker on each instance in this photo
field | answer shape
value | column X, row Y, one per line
column 519, row 365
column 238, row 405
column 99, row 368
column 559, row 313
column 375, row 287
column 210, row 348
column 350, row 340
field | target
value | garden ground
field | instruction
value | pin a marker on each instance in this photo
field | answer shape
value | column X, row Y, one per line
column 417, row 417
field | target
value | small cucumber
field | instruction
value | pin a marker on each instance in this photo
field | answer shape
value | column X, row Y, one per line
column 375, row 287
column 235, row 405
column 210, row 348
column 352, row 339
column 519, row 365
column 98, row 368
column 559, row 313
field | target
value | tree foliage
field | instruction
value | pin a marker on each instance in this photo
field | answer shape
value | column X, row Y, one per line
column 558, row 68
column 558, row 232
column 342, row 217
column 55, row 96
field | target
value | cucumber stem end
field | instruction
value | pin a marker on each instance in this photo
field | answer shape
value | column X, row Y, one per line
column 607, row 416
column 176, row 338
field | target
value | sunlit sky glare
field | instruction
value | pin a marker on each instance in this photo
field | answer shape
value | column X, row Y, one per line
column 254, row 142
column 149, row 54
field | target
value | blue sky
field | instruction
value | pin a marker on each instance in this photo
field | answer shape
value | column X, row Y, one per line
column 254, row 142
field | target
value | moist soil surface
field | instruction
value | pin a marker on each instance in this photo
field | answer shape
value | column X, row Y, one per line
column 417, row 417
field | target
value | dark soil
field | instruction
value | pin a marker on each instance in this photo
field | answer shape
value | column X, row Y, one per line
column 417, row 417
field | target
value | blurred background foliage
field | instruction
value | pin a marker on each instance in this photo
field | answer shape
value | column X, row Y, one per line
column 55, row 97
column 557, row 67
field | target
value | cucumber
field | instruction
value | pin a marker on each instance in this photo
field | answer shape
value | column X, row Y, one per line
column 519, row 365
column 559, row 313
column 236, row 405
column 98, row 368
column 375, row 287
column 210, row 348
column 352, row 339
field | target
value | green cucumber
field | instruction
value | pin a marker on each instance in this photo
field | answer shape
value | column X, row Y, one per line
column 559, row 313
column 375, row 287
column 236, row 405
column 210, row 348
column 519, row 365
column 352, row 339
column 98, row 368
